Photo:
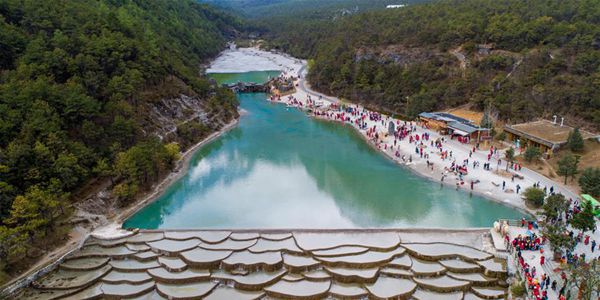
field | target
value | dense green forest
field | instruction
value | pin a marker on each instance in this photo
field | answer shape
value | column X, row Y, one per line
column 78, row 79
column 520, row 59
column 311, row 9
column 297, row 25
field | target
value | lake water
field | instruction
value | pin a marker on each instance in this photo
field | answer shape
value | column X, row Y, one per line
column 281, row 169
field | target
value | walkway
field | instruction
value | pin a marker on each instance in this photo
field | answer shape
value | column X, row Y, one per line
column 490, row 182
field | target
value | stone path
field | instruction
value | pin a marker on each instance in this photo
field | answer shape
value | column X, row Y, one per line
column 551, row 267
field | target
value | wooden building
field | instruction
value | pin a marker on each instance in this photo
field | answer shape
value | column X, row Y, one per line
column 447, row 123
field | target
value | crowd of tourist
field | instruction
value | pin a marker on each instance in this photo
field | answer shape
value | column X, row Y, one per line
column 387, row 134
column 532, row 242
column 379, row 128
column 538, row 284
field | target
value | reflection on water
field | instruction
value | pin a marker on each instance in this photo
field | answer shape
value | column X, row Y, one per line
column 280, row 169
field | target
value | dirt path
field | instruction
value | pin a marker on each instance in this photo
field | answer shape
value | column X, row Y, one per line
column 461, row 57
column 304, row 87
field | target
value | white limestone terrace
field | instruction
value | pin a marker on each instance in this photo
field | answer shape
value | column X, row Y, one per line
column 240, row 60
column 315, row 264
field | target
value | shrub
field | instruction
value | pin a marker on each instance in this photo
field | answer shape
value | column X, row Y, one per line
column 125, row 191
column 534, row 197
column 532, row 153
column 518, row 288
column 501, row 136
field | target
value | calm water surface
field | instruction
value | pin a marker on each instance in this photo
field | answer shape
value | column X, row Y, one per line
column 281, row 169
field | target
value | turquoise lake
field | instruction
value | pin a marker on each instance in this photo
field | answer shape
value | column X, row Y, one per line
column 280, row 169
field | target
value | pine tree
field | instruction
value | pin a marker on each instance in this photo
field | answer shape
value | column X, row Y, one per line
column 554, row 206
column 559, row 241
column 532, row 154
column 486, row 121
column 575, row 141
column 567, row 166
column 590, row 181
column 584, row 220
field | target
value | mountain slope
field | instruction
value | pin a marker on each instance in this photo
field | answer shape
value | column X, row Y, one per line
column 98, row 89
column 521, row 59
column 259, row 9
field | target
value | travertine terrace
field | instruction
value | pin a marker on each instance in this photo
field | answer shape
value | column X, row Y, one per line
column 335, row 264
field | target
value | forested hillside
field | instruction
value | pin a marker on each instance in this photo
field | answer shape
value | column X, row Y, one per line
column 300, row 9
column 520, row 59
column 82, row 85
column 296, row 25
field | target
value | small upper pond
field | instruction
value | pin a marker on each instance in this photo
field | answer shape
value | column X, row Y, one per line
column 281, row 169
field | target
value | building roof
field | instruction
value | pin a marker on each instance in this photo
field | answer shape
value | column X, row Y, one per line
column 460, row 125
column 463, row 127
column 445, row 117
column 282, row 264
column 453, row 117
column 545, row 132
column 427, row 115
column 473, row 116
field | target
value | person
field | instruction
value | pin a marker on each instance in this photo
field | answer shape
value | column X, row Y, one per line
column 561, row 292
column 562, row 297
column 542, row 259
column 593, row 245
